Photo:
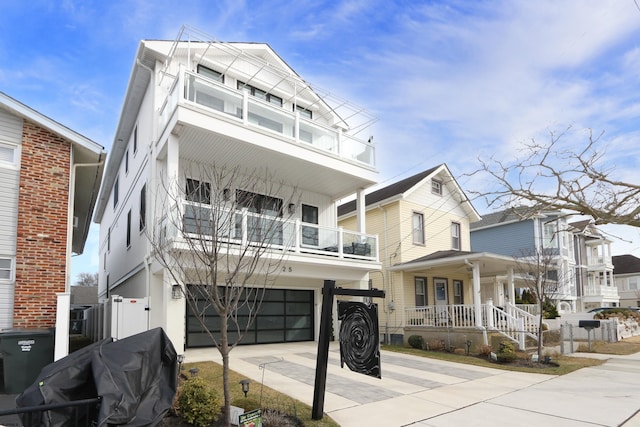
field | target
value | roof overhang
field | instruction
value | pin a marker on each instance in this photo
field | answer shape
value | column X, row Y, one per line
column 490, row 264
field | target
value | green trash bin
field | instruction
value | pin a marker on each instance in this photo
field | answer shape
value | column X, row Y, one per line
column 24, row 353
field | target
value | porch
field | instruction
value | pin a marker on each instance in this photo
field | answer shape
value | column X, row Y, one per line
column 511, row 321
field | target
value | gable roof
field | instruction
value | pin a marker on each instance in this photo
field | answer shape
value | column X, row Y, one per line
column 513, row 214
column 625, row 264
column 86, row 153
column 401, row 188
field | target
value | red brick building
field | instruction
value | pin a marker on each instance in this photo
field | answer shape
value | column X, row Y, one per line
column 49, row 180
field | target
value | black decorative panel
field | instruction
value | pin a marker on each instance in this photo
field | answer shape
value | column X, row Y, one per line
column 359, row 339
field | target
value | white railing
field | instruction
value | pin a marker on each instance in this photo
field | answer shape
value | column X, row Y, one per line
column 246, row 228
column 600, row 291
column 512, row 322
column 529, row 308
column 250, row 111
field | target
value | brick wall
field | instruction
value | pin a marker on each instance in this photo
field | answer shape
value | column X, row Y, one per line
column 41, row 245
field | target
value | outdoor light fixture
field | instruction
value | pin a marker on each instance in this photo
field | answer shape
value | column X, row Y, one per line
column 176, row 292
column 180, row 359
column 245, row 386
column 226, row 194
column 292, row 208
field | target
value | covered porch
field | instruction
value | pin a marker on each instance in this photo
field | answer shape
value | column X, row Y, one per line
column 471, row 292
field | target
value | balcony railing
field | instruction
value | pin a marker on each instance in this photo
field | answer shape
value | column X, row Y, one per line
column 246, row 228
column 601, row 291
column 238, row 105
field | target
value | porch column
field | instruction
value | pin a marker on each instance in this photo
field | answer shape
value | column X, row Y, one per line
column 512, row 286
column 361, row 211
column 476, row 293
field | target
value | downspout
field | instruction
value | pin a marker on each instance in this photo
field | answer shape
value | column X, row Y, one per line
column 387, row 307
column 477, row 306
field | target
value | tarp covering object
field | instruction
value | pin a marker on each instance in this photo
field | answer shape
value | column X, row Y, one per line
column 136, row 378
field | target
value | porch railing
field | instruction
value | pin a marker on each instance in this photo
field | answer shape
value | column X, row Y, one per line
column 454, row 316
column 246, row 228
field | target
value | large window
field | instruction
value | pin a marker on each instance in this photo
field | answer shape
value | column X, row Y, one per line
column 455, row 236
column 210, row 73
column 309, row 233
column 6, row 269
column 550, row 235
column 261, row 94
column 198, row 191
column 421, row 291
column 260, row 227
column 418, row 228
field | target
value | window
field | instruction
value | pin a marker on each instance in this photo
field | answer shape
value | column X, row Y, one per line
column 421, row 291
column 310, row 234
column 129, row 229
column 115, row 193
column 436, row 187
column 6, row 269
column 210, row 73
column 197, row 191
column 143, row 207
column 458, row 296
column 418, row 228
column 440, row 286
column 261, row 94
column 550, row 235
column 260, row 227
column 304, row 112
column 8, row 154
column 455, row 236
column 633, row 283
column 109, row 239
column 126, row 161
column 135, row 140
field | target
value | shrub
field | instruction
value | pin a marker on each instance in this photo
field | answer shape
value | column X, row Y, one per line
column 460, row 351
column 435, row 345
column 507, row 352
column 276, row 418
column 485, row 350
column 198, row 403
column 416, row 341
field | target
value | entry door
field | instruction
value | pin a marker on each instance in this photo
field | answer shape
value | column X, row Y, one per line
column 440, row 286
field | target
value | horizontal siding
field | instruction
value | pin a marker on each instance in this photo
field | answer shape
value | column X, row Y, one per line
column 6, row 306
column 509, row 239
column 10, row 128
column 9, row 186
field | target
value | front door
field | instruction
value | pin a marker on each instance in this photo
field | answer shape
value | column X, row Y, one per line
column 440, row 286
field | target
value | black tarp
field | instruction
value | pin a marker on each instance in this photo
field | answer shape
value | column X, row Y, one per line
column 136, row 378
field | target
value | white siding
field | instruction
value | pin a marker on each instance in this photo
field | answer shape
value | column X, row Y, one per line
column 11, row 133
column 6, row 305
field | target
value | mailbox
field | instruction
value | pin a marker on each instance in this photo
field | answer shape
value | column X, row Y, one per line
column 589, row 324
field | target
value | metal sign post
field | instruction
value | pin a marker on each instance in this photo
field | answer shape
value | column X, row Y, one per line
column 328, row 291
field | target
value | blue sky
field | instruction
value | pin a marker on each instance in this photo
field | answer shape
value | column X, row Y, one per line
column 449, row 81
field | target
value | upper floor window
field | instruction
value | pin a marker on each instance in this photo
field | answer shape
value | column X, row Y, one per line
column 418, row 228
column 261, row 94
column 143, row 207
column 115, row 193
column 198, row 191
column 126, row 161
column 8, row 154
column 6, row 269
column 633, row 284
column 129, row 229
column 210, row 73
column 436, row 187
column 455, row 236
column 135, row 140
column 304, row 112
column 550, row 230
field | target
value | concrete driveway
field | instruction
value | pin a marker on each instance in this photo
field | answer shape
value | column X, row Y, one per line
column 426, row 392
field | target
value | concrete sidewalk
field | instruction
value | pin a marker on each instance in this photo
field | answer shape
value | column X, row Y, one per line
column 426, row 392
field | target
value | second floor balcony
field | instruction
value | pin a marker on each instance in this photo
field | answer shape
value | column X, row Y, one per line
column 237, row 229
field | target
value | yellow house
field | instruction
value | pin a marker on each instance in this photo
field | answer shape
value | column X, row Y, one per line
column 435, row 285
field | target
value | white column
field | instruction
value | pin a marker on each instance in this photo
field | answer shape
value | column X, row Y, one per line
column 477, row 304
column 361, row 210
column 512, row 286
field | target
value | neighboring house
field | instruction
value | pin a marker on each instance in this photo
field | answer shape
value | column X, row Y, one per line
column 594, row 275
column 581, row 255
column 231, row 105
column 626, row 273
column 49, row 181
column 435, row 286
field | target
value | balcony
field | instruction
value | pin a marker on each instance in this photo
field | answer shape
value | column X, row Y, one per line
column 249, row 112
column 242, row 228
column 592, row 290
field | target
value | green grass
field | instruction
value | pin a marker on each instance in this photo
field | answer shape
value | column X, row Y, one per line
column 627, row 346
column 565, row 364
column 271, row 398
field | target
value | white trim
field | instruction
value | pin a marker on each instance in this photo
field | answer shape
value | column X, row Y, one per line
column 15, row 163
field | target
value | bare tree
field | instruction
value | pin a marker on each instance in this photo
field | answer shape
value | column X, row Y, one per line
column 542, row 276
column 549, row 177
column 87, row 279
column 224, row 237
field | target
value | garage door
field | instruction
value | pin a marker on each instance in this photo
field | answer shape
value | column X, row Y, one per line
column 286, row 315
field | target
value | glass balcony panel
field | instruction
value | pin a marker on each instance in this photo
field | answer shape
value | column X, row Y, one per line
column 356, row 149
column 274, row 119
column 318, row 136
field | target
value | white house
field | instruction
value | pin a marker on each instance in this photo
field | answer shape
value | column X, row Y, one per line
column 232, row 105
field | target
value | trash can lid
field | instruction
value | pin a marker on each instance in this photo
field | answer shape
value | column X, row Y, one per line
column 19, row 332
